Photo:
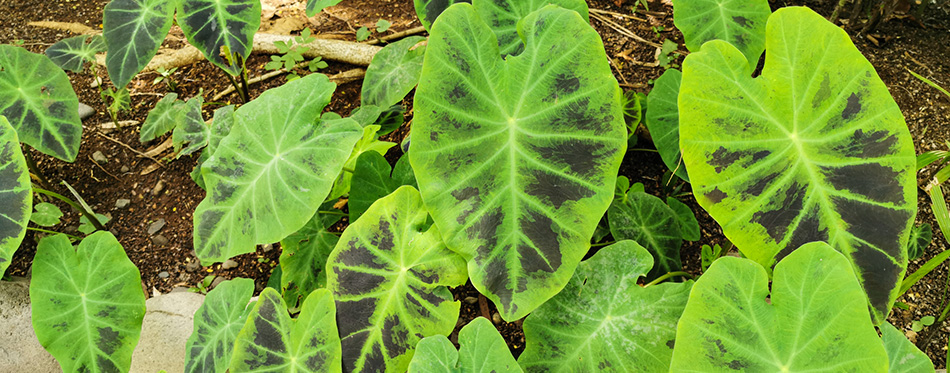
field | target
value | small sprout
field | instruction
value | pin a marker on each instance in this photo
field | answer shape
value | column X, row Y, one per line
column 46, row 214
column 362, row 34
column 382, row 25
column 919, row 325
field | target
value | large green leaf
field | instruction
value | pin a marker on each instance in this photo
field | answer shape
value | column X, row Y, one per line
column 516, row 158
column 134, row 29
column 273, row 342
column 604, row 321
column 903, row 355
column 190, row 128
column 375, row 179
column 815, row 318
column 72, row 53
column 482, row 350
column 503, row 17
column 663, row 120
column 738, row 22
column 216, row 326
column 393, row 73
column 270, row 173
column 644, row 218
column 303, row 256
column 389, row 278
column 16, row 195
column 219, row 27
column 429, row 10
column 87, row 303
column 38, row 100
column 162, row 118
column 814, row 149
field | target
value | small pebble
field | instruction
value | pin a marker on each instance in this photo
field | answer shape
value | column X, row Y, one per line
column 217, row 280
column 267, row 247
column 124, row 169
column 156, row 226
column 471, row 300
column 95, row 83
column 159, row 187
column 496, row 318
column 85, row 111
column 121, row 203
column 192, row 266
column 159, row 240
column 163, row 274
column 99, row 157
column 228, row 264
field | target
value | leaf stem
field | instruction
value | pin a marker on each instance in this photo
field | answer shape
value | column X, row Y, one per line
column 35, row 170
column 602, row 244
column 667, row 276
column 82, row 209
column 643, row 150
column 77, row 238
column 332, row 213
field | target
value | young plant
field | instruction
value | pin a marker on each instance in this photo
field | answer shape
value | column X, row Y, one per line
column 293, row 55
column 166, row 76
column 481, row 349
column 118, row 101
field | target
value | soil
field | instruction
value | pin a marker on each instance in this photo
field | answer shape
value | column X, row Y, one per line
column 912, row 40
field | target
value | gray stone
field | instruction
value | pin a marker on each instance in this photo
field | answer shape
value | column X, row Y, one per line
column 165, row 330
column 156, row 226
column 20, row 351
column 159, row 240
column 267, row 247
column 124, row 169
column 159, row 187
column 217, row 280
column 99, row 157
column 471, row 300
column 496, row 318
column 228, row 264
column 85, row 111
column 192, row 266
column 163, row 274
column 121, row 203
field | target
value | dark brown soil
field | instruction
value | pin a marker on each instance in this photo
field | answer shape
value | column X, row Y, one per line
column 918, row 42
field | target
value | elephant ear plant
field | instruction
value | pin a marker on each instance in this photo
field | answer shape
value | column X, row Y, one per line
column 518, row 164
column 814, row 149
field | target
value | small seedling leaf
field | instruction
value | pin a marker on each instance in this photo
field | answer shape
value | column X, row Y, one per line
column 482, row 350
column 46, row 214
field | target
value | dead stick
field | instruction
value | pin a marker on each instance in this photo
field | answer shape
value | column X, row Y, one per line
column 101, row 168
column 623, row 30
column 607, row 12
column 399, row 35
column 140, row 154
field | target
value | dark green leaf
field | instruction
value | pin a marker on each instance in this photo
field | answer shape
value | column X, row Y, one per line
column 216, row 26
column 191, row 129
column 393, row 73
column 919, row 240
column 39, row 102
column 72, row 53
column 689, row 227
column 662, row 119
column 374, row 180
column 134, row 29
column 163, row 118
column 647, row 220
column 216, row 326
column 15, row 192
column 303, row 257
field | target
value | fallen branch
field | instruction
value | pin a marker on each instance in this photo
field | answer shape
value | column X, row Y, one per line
column 73, row 27
column 398, row 35
column 340, row 78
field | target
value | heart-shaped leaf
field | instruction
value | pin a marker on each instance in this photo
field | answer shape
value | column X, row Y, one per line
column 216, row 326
column 369, row 142
column 663, row 120
column 518, row 165
column 645, row 218
column 689, row 226
column 134, row 29
column 38, row 100
column 814, row 149
column 738, row 22
column 375, row 180
column 190, row 128
column 903, row 355
column 219, row 27
column 816, row 318
column 389, row 278
column 303, row 256
column 919, row 240
column 482, row 350
column 393, row 73
column 72, row 53
column 270, row 173
column 273, row 342
column 46, row 214
column 603, row 320
column 87, row 303
column 161, row 119
column 15, row 192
